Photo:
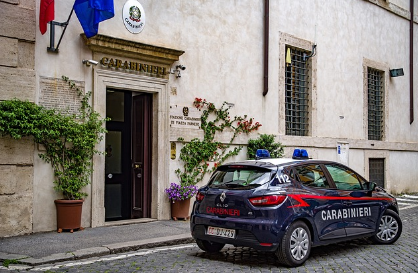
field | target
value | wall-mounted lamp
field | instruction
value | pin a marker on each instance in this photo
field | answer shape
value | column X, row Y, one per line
column 178, row 70
column 313, row 53
column 90, row 62
column 396, row 72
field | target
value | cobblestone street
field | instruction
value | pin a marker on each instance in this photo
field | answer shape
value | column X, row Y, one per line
column 354, row 256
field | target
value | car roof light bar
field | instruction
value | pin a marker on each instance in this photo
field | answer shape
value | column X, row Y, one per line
column 262, row 153
column 300, row 154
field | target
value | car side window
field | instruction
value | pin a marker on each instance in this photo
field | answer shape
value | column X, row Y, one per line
column 344, row 178
column 312, row 176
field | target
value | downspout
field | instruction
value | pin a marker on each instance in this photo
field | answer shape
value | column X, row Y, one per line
column 266, row 47
column 411, row 64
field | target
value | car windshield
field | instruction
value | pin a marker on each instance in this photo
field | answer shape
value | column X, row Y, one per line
column 239, row 177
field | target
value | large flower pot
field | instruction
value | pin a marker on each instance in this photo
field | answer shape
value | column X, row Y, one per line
column 69, row 215
column 180, row 209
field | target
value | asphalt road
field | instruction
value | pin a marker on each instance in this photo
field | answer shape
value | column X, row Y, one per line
column 354, row 256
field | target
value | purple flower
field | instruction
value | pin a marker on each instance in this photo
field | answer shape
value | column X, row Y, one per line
column 178, row 192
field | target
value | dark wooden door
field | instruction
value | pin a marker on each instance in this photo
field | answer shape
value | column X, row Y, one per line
column 141, row 155
column 128, row 155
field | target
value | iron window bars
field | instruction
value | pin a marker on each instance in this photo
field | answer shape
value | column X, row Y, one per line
column 297, row 94
column 375, row 103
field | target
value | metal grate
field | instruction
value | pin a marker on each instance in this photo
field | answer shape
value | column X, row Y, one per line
column 377, row 171
column 297, row 94
column 375, row 104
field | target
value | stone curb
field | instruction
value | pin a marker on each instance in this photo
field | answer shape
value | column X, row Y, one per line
column 150, row 243
column 100, row 251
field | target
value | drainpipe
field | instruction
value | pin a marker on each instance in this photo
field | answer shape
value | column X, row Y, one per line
column 411, row 64
column 266, row 47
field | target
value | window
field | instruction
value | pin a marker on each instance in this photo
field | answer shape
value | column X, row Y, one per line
column 377, row 171
column 312, row 176
column 297, row 93
column 239, row 177
column 344, row 179
column 375, row 103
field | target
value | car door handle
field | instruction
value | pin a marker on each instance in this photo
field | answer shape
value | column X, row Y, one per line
column 347, row 203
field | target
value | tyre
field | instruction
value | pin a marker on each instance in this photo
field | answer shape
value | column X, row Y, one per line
column 209, row 246
column 390, row 228
column 295, row 246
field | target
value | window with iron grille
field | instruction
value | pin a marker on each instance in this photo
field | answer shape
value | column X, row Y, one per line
column 375, row 103
column 297, row 93
column 377, row 171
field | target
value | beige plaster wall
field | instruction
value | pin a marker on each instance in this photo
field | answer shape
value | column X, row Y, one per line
column 404, row 179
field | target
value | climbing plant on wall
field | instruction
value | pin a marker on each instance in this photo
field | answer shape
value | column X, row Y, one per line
column 196, row 154
column 69, row 139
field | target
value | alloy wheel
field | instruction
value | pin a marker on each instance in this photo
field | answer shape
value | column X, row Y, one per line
column 388, row 228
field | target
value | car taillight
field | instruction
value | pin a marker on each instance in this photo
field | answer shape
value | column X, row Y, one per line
column 199, row 196
column 267, row 200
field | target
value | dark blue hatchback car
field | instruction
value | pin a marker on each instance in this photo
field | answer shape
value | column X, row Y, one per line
column 288, row 206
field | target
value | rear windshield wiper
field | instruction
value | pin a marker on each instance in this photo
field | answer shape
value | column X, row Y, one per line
column 236, row 184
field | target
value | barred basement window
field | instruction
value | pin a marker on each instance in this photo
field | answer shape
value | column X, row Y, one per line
column 375, row 103
column 377, row 171
column 297, row 94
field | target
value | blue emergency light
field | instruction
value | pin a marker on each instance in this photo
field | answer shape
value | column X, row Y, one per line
column 300, row 154
column 262, row 153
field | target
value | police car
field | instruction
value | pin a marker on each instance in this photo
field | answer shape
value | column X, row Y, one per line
column 288, row 206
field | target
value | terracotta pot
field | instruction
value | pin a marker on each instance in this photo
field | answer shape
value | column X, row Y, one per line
column 180, row 210
column 69, row 214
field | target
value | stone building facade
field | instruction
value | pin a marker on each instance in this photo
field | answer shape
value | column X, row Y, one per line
column 322, row 98
column 17, row 80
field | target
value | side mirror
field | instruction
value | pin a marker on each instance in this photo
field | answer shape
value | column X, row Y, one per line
column 371, row 186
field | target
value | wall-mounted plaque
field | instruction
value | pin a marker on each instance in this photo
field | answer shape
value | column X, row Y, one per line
column 133, row 16
column 184, row 117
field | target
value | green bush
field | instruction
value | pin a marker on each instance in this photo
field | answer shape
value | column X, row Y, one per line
column 265, row 141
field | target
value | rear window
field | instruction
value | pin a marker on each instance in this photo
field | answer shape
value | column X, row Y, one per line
column 240, row 177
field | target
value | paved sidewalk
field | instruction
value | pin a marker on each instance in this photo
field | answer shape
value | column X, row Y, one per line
column 51, row 247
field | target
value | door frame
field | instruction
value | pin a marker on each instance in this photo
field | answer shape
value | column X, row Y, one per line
column 103, row 79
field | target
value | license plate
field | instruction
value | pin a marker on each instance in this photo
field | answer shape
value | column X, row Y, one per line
column 221, row 232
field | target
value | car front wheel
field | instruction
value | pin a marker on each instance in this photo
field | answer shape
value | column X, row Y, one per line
column 390, row 228
column 295, row 246
column 209, row 246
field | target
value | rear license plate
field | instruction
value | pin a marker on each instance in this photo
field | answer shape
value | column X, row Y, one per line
column 221, row 232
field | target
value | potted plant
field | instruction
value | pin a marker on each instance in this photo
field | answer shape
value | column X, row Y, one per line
column 69, row 142
column 179, row 195
column 200, row 156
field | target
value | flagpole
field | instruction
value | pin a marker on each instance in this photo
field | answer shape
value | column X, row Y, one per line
column 66, row 24
column 51, row 48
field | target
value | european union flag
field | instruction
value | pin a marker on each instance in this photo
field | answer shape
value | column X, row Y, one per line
column 91, row 12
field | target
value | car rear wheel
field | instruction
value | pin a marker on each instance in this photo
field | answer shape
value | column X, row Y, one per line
column 209, row 246
column 295, row 246
column 390, row 228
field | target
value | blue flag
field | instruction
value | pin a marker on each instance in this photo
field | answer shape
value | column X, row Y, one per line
column 91, row 12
